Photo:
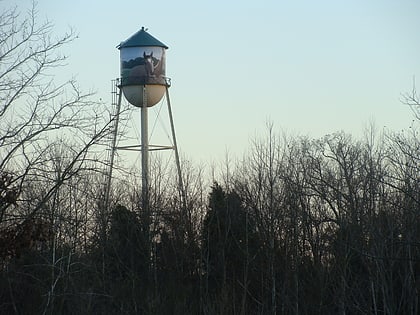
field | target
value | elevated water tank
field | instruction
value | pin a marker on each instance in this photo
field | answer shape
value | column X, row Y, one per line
column 143, row 64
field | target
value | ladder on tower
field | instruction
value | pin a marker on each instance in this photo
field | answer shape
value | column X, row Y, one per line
column 112, row 140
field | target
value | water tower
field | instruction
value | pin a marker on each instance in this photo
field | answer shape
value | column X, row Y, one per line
column 143, row 83
column 143, row 69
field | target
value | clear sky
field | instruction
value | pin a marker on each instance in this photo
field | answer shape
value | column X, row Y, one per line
column 309, row 67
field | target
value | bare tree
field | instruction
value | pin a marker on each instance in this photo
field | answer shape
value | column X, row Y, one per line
column 35, row 109
column 412, row 99
column 51, row 136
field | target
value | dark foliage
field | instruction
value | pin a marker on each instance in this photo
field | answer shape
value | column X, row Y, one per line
column 331, row 233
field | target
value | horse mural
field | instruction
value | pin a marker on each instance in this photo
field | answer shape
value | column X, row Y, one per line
column 144, row 70
column 149, row 64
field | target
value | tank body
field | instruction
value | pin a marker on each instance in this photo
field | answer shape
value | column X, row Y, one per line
column 143, row 65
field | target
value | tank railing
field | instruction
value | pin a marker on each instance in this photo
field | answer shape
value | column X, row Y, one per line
column 143, row 80
column 168, row 81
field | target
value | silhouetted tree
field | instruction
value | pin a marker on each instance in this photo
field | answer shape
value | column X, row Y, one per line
column 230, row 247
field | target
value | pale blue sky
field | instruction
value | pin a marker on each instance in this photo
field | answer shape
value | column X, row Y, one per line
column 310, row 67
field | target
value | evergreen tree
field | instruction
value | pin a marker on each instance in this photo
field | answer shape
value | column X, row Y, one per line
column 229, row 251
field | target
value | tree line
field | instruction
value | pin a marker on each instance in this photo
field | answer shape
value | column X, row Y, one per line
column 296, row 226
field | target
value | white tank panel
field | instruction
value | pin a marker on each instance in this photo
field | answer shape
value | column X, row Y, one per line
column 134, row 94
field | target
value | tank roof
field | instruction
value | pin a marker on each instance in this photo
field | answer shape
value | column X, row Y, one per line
column 141, row 39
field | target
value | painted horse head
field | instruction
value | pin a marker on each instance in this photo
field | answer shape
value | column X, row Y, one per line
column 148, row 63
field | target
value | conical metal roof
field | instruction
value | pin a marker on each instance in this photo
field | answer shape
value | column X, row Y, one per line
column 141, row 39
